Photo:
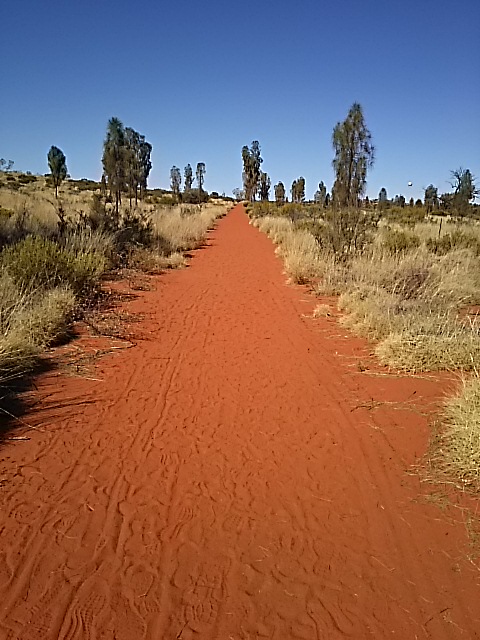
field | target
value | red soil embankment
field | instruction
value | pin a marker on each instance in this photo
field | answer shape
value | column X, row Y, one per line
column 229, row 478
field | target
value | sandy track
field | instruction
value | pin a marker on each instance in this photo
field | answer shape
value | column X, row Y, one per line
column 222, row 481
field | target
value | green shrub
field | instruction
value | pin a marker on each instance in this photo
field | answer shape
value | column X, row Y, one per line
column 455, row 240
column 399, row 241
column 260, row 209
column 409, row 216
column 36, row 263
column 346, row 232
column 26, row 179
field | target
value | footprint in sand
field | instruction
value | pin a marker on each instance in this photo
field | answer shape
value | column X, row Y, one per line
column 202, row 602
column 88, row 611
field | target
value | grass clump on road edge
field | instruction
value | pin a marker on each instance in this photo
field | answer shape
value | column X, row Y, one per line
column 456, row 450
column 29, row 321
column 300, row 252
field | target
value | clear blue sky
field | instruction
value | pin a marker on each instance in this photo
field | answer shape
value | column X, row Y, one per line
column 201, row 79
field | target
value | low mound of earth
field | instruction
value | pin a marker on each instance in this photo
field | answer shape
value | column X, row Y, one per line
column 240, row 472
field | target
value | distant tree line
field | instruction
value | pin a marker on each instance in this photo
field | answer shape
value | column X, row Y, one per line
column 457, row 203
column 189, row 195
column 354, row 155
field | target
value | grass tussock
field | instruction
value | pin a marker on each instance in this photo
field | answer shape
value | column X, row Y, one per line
column 457, row 448
column 298, row 248
column 184, row 227
column 30, row 319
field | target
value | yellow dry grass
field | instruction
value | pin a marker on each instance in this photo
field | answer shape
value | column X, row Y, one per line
column 29, row 321
column 184, row 226
column 300, row 252
column 457, row 447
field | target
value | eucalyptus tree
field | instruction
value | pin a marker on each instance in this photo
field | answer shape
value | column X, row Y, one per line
column 188, row 174
column 58, row 167
column 252, row 161
column 320, row 196
column 132, row 162
column 298, row 190
column 114, row 159
column 200, row 175
column 144, row 154
column 431, row 197
column 264, row 187
column 175, row 181
column 354, row 155
column 279, row 193
column 465, row 189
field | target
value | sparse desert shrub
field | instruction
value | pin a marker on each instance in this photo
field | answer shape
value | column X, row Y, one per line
column 399, row 240
column 346, row 232
column 300, row 254
column 36, row 263
column 314, row 226
column 264, row 208
column 175, row 230
column 6, row 213
column 26, row 179
column 407, row 216
column 29, row 321
column 299, row 250
column 455, row 240
column 442, row 347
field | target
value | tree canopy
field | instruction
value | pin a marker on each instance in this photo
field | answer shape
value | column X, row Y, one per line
column 279, row 193
column 58, row 167
column 126, row 161
column 264, row 188
column 252, row 161
column 354, row 155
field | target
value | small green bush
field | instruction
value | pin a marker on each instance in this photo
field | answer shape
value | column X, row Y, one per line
column 455, row 240
column 36, row 263
column 408, row 216
column 399, row 241
column 26, row 179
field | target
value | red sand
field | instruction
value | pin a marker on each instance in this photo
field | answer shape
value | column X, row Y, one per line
column 221, row 481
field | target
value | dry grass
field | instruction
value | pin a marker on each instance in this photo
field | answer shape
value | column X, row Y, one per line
column 29, row 321
column 321, row 311
column 411, row 303
column 457, row 448
column 299, row 250
column 184, row 227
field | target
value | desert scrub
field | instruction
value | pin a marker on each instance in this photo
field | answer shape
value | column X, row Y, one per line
column 36, row 263
column 410, row 302
column 299, row 250
column 399, row 240
column 457, row 239
column 182, row 228
column 29, row 321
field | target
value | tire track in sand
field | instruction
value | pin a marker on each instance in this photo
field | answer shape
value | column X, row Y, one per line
column 222, row 481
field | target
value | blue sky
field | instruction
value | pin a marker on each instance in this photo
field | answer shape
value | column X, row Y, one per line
column 200, row 80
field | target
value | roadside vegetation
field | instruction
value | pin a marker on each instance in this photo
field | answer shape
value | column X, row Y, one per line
column 59, row 237
column 406, row 275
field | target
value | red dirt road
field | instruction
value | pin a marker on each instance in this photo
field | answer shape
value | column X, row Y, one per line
column 222, row 480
